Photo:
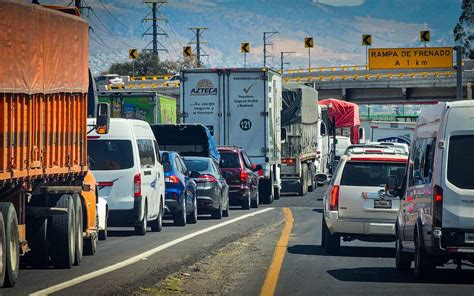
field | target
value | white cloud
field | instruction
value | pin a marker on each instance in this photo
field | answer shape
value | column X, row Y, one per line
column 340, row 2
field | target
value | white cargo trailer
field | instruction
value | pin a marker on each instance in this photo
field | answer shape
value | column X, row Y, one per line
column 241, row 107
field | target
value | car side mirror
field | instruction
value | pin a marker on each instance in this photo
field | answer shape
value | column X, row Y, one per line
column 194, row 174
column 321, row 178
column 102, row 118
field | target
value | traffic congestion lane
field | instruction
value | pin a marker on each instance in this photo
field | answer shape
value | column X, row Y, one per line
column 122, row 244
column 359, row 268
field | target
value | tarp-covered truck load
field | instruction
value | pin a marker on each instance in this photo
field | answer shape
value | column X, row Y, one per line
column 241, row 107
column 44, row 82
column 303, row 144
column 346, row 116
column 152, row 107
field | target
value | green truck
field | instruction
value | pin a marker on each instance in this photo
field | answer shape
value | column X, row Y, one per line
column 152, row 107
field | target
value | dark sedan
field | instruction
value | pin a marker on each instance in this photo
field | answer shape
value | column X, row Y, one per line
column 212, row 189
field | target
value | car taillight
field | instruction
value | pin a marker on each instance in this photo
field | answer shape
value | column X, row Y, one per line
column 172, row 179
column 334, row 202
column 261, row 173
column 105, row 184
column 137, row 185
column 244, row 176
column 288, row 161
column 205, row 179
column 437, row 205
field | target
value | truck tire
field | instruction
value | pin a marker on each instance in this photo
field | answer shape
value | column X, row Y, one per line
column 37, row 236
column 330, row 242
column 266, row 190
column 12, row 244
column 78, row 229
column 303, row 180
column 423, row 264
column 277, row 193
column 157, row 224
column 402, row 259
column 63, row 238
column 142, row 227
column 90, row 245
column 3, row 257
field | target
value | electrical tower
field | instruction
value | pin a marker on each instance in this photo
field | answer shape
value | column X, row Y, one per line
column 283, row 55
column 266, row 37
column 199, row 50
column 155, row 16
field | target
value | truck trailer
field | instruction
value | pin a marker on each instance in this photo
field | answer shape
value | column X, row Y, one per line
column 47, row 206
column 241, row 107
column 304, row 139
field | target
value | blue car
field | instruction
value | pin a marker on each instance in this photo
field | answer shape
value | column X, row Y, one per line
column 180, row 197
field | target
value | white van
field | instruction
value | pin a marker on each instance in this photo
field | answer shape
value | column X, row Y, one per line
column 126, row 163
column 436, row 219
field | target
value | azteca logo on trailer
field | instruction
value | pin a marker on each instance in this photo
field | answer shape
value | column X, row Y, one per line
column 204, row 87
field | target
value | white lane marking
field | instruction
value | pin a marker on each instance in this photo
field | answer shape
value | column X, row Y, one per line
column 139, row 257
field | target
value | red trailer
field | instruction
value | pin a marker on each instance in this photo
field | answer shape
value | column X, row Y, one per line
column 346, row 116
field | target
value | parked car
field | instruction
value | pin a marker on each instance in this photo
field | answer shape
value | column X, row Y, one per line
column 241, row 176
column 355, row 206
column 436, row 221
column 130, row 177
column 212, row 189
column 180, row 196
column 109, row 79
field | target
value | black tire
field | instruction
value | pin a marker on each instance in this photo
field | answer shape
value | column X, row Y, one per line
column 217, row 213
column 180, row 216
column 103, row 234
column 225, row 213
column 247, row 202
column 332, row 242
column 267, row 190
column 90, row 245
column 78, row 229
column 277, row 193
column 313, row 182
column 402, row 259
column 193, row 217
column 157, row 224
column 12, row 242
column 37, row 236
column 423, row 265
column 303, row 180
column 62, row 234
column 256, row 201
column 3, row 256
column 142, row 227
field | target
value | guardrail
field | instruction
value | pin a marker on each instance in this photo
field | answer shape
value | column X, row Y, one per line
column 379, row 76
column 153, row 78
column 173, row 84
column 325, row 69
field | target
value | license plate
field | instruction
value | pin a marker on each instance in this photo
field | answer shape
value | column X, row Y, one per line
column 382, row 204
column 469, row 238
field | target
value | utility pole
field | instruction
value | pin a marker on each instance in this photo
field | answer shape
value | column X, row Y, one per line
column 283, row 55
column 265, row 44
column 198, row 32
column 156, row 29
column 459, row 87
column 77, row 3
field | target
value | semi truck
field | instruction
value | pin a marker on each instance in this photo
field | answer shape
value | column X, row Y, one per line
column 47, row 200
column 240, row 107
column 304, row 139
column 153, row 107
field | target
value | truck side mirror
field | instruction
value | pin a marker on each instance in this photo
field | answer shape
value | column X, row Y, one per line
column 102, row 118
column 284, row 136
column 321, row 178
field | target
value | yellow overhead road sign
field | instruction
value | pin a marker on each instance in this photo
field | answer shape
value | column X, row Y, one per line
column 308, row 42
column 425, row 36
column 133, row 53
column 366, row 40
column 187, row 51
column 244, row 47
column 410, row 58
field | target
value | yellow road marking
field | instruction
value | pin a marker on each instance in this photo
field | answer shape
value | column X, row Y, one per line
column 269, row 286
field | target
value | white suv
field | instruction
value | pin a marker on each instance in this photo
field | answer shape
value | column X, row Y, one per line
column 355, row 204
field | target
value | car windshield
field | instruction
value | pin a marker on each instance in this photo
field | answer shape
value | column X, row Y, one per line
column 197, row 165
column 372, row 174
column 107, row 155
column 460, row 166
column 229, row 160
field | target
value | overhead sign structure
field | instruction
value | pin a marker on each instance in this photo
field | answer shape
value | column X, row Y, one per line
column 410, row 58
column 367, row 40
column 133, row 54
column 187, row 51
column 425, row 36
column 245, row 47
column 309, row 42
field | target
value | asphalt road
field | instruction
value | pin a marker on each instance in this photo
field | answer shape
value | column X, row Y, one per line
column 231, row 257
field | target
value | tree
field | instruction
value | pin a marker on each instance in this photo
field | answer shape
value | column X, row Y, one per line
column 463, row 31
column 148, row 64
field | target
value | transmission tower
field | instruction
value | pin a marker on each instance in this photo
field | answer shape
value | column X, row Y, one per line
column 199, row 50
column 155, row 16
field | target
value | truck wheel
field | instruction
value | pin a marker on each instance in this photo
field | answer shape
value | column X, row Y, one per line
column 3, row 257
column 90, row 245
column 277, row 192
column 247, row 202
column 180, row 217
column 63, row 237
column 157, row 224
column 37, row 236
column 423, row 264
column 12, row 242
column 331, row 242
column 143, row 226
column 402, row 259
column 78, row 229
column 304, row 180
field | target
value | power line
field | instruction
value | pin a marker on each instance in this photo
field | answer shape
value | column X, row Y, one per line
column 115, row 18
